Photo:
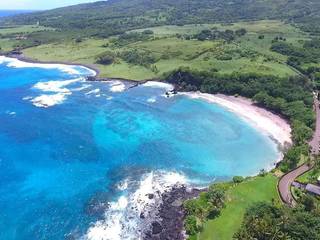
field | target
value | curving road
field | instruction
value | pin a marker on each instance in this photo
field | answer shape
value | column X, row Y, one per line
column 287, row 179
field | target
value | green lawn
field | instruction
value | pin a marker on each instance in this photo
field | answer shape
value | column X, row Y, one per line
column 239, row 198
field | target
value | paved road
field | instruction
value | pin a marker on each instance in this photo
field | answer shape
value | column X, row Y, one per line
column 286, row 180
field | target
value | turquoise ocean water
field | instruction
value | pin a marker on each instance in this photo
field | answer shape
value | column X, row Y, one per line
column 78, row 158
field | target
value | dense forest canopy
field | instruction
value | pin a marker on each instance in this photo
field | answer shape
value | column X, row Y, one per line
column 107, row 18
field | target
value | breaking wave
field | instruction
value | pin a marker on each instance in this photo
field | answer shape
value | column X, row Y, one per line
column 70, row 69
column 131, row 214
column 56, row 92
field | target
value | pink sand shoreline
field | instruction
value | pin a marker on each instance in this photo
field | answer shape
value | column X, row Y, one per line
column 268, row 123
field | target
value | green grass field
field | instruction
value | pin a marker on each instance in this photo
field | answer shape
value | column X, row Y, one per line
column 239, row 198
column 7, row 44
column 7, row 35
column 248, row 53
column 23, row 29
column 261, row 27
column 268, row 28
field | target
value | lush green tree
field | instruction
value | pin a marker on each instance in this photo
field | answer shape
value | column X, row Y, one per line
column 241, row 32
column 105, row 58
column 293, row 155
column 237, row 179
column 148, row 31
column 261, row 221
column 216, row 196
column 194, row 207
column 300, row 132
column 190, row 225
column 143, row 58
column 268, row 222
column 309, row 202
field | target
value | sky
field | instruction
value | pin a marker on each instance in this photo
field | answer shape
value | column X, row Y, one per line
column 38, row 4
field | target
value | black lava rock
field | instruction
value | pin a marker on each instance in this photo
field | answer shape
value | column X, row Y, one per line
column 156, row 228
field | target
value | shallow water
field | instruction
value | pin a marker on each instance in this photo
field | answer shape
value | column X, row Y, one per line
column 78, row 158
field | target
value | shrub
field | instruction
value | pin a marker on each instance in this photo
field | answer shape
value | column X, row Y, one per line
column 143, row 58
column 237, row 179
column 105, row 58
column 262, row 172
column 148, row 32
column 193, row 207
column 190, row 225
column 78, row 40
column 216, row 196
column 241, row 32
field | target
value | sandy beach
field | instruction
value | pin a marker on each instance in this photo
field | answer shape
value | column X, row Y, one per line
column 267, row 122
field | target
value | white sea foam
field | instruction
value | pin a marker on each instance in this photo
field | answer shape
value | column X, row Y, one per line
column 123, row 185
column 11, row 113
column 117, row 86
column 71, row 69
column 154, row 84
column 94, row 91
column 56, row 86
column 122, row 220
column 113, row 228
column 83, row 87
column 109, row 98
column 2, row 59
column 57, row 92
column 49, row 100
column 26, row 98
column 151, row 100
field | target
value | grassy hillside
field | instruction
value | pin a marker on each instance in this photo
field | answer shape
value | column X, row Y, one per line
column 107, row 18
column 238, row 198
column 12, row 36
column 246, row 54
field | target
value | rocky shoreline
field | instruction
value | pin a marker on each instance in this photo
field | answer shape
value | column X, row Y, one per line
column 169, row 224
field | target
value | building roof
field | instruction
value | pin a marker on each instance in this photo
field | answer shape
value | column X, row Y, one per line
column 313, row 189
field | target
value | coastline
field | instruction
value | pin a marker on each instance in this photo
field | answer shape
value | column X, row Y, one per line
column 272, row 125
column 170, row 213
column 23, row 58
column 92, row 67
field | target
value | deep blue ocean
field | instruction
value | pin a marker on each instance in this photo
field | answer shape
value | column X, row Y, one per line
column 5, row 13
column 77, row 158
